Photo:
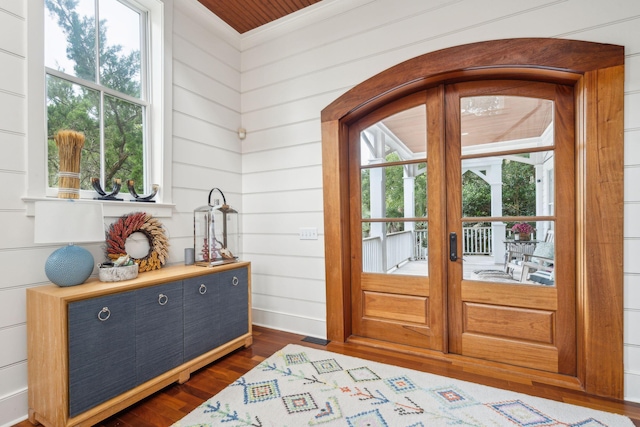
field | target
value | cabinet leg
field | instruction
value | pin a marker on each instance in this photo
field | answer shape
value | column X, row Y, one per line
column 32, row 417
column 184, row 377
column 248, row 341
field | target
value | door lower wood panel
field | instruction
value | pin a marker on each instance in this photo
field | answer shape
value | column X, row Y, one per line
column 403, row 308
column 509, row 322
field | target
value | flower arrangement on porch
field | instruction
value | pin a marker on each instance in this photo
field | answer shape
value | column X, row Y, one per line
column 522, row 231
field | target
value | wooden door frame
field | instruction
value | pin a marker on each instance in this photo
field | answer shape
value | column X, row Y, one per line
column 597, row 73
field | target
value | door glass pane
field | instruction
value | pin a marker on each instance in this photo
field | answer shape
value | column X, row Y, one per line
column 393, row 187
column 511, row 189
column 395, row 247
column 509, row 185
column 400, row 137
column 501, row 123
column 513, row 259
column 398, row 191
column 530, row 259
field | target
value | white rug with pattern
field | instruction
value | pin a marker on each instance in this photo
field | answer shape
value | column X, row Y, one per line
column 301, row 386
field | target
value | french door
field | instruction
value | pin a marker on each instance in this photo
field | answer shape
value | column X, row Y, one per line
column 437, row 181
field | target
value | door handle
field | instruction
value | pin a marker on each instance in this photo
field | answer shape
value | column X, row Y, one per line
column 453, row 246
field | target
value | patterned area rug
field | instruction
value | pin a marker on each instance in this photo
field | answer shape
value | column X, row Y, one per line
column 300, row 386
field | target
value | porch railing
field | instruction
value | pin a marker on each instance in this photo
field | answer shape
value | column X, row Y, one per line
column 477, row 241
column 413, row 245
column 372, row 255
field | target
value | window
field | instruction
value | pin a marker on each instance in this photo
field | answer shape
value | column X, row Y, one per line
column 101, row 67
column 95, row 84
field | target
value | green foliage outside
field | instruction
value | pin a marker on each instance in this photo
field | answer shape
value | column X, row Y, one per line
column 518, row 189
column 518, row 192
column 77, row 107
column 394, row 196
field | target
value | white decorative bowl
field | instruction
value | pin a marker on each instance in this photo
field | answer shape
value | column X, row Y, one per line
column 116, row 274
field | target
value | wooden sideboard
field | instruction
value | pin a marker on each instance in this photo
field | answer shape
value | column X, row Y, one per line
column 96, row 348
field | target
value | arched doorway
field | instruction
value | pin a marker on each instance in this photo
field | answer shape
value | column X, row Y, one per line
column 595, row 72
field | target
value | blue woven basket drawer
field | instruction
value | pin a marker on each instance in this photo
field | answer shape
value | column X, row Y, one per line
column 101, row 352
column 234, row 304
column 201, row 318
column 159, row 330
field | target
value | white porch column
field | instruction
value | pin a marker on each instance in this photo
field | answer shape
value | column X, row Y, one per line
column 541, row 206
column 409, row 207
column 377, row 196
column 494, row 177
column 409, row 201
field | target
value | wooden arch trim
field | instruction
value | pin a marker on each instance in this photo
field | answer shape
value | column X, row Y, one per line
column 597, row 73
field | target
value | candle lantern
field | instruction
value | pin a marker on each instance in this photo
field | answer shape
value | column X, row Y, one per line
column 215, row 232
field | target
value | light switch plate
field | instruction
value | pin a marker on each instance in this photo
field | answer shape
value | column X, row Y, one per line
column 308, row 233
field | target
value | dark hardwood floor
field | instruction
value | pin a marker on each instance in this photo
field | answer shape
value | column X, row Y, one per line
column 176, row 401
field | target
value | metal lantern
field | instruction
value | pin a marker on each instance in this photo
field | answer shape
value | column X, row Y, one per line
column 215, row 233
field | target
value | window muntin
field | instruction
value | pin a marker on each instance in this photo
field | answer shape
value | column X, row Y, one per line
column 96, row 85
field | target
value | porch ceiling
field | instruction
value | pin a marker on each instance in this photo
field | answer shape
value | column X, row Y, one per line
column 512, row 118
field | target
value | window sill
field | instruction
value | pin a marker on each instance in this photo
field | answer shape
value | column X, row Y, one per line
column 114, row 209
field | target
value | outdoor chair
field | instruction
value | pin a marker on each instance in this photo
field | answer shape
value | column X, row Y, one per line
column 541, row 260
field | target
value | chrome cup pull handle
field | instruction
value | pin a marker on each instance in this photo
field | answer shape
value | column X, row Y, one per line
column 104, row 314
column 163, row 299
column 202, row 289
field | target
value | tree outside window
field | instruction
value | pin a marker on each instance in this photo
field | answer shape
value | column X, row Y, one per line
column 95, row 84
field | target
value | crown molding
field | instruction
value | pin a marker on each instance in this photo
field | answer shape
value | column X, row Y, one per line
column 303, row 18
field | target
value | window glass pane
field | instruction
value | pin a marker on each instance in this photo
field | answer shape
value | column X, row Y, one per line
column 73, row 107
column 523, row 182
column 120, row 66
column 500, row 123
column 123, row 140
column 398, row 191
column 70, row 39
column 395, row 248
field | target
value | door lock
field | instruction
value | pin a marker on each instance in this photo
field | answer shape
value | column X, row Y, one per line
column 453, row 246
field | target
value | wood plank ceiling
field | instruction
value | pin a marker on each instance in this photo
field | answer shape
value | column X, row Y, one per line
column 245, row 15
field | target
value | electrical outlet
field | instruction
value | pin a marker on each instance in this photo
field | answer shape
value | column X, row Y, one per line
column 308, row 233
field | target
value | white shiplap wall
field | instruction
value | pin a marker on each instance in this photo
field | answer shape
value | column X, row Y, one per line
column 274, row 82
column 291, row 70
column 15, row 233
column 206, row 154
column 206, row 116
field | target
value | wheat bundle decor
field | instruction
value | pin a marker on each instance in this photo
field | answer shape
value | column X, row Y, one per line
column 69, row 143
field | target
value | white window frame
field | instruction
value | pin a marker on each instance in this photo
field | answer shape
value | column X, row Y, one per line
column 160, row 131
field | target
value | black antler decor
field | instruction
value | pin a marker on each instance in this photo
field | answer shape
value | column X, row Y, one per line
column 137, row 198
column 95, row 183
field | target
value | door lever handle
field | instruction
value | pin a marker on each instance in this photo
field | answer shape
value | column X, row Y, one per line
column 453, row 246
